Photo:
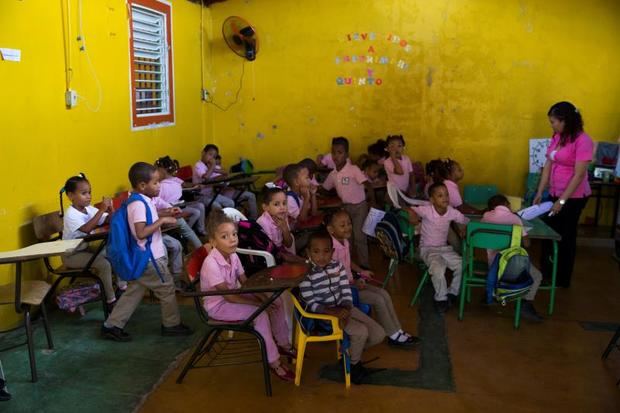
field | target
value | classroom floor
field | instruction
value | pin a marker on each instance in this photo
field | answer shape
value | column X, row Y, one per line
column 553, row 367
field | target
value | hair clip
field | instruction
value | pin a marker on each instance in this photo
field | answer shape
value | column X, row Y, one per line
column 576, row 110
column 62, row 190
column 271, row 185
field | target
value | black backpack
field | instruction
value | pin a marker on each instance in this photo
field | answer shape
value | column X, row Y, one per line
column 390, row 236
column 252, row 236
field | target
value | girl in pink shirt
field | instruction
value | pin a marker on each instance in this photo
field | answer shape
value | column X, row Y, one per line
column 222, row 270
column 274, row 222
column 171, row 191
column 340, row 228
column 398, row 166
column 565, row 172
column 449, row 172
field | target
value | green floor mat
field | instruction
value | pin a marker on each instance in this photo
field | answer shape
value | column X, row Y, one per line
column 435, row 369
column 85, row 373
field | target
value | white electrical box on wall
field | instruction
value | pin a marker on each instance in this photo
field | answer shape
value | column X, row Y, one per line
column 71, row 98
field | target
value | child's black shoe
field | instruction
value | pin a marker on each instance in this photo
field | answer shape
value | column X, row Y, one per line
column 115, row 334
column 178, row 330
column 529, row 312
column 453, row 300
column 411, row 341
column 442, row 306
column 358, row 372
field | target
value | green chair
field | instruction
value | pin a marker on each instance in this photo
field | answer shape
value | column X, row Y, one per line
column 484, row 236
column 478, row 194
column 423, row 281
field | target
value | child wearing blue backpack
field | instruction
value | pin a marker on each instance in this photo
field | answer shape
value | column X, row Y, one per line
column 139, row 256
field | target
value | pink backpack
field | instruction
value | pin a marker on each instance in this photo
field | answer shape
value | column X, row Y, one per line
column 73, row 296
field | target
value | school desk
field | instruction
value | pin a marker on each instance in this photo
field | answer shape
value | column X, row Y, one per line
column 598, row 187
column 329, row 202
column 32, row 293
column 537, row 229
column 273, row 281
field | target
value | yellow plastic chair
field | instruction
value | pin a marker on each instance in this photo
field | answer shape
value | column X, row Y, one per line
column 304, row 337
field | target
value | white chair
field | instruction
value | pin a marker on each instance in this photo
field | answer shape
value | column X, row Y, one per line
column 396, row 194
column 234, row 214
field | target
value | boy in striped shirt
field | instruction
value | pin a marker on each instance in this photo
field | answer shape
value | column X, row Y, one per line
column 326, row 290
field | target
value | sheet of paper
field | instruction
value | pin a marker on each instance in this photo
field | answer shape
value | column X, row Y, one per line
column 11, row 55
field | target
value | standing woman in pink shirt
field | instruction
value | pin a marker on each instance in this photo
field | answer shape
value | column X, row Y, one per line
column 565, row 172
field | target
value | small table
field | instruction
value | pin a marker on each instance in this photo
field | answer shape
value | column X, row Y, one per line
column 538, row 229
column 597, row 191
column 235, row 181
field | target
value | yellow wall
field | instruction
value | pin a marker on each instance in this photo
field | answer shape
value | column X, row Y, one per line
column 481, row 76
column 42, row 143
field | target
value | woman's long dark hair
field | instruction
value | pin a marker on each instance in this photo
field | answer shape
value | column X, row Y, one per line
column 573, row 123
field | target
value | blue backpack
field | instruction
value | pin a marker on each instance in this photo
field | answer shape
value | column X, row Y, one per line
column 509, row 275
column 128, row 260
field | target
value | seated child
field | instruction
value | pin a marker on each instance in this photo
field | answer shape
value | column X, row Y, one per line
column 79, row 220
column 398, row 166
column 237, row 195
column 206, row 168
column 434, row 249
column 171, row 191
column 274, row 222
column 222, row 270
column 301, row 197
column 432, row 174
column 340, row 228
column 371, row 169
column 174, row 248
column 326, row 289
column 326, row 161
column 311, row 166
column 144, row 180
column 350, row 184
column 450, row 173
column 499, row 213
column 374, row 152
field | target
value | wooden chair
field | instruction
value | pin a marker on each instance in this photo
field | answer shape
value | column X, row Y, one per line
column 24, row 295
column 231, row 351
column 48, row 227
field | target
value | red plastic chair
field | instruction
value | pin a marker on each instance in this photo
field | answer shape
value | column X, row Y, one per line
column 185, row 173
column 119, row 198
column 212, row 345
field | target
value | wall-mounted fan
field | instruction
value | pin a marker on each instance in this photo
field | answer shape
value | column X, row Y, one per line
column 240, row 37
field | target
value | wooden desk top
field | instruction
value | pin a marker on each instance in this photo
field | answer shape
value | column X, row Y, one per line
column 281, row 276
column 40, row 250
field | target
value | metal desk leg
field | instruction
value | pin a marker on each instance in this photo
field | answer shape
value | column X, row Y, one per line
column 554, row 273
column 615, row 220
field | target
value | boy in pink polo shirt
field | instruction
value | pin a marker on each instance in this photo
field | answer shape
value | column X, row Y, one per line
column 500, row 213
column 144, row 179
column 434, row 249
column 350, row 183
column 398, row 165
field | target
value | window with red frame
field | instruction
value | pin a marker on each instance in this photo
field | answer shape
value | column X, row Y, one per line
column 150, row 47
